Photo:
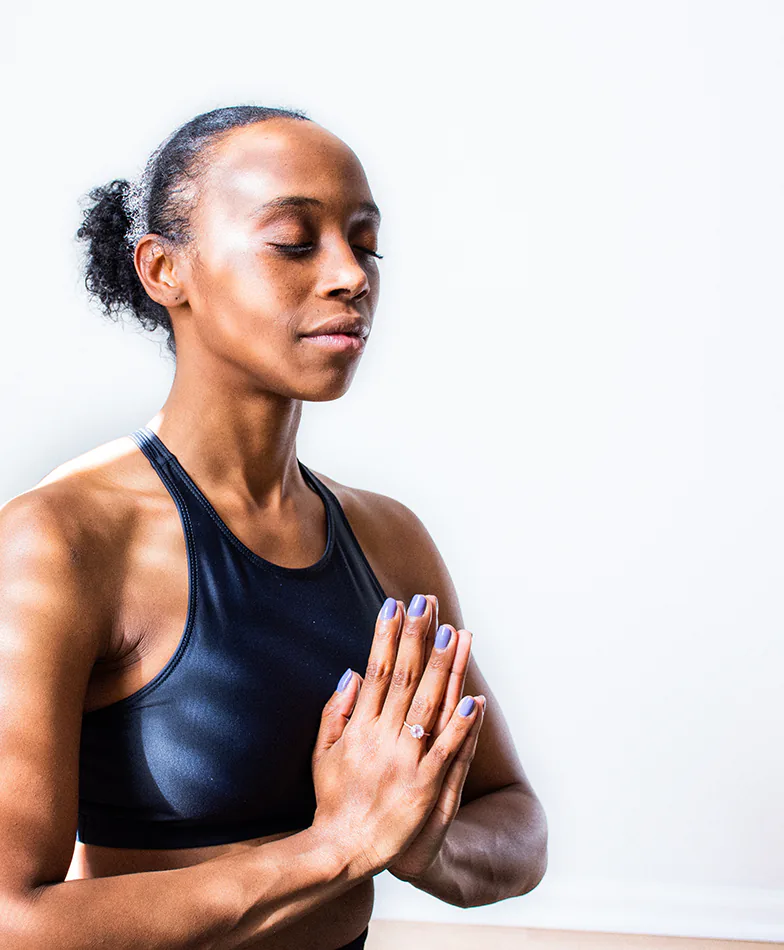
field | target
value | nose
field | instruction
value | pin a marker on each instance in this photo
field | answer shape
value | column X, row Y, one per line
column 342, row 274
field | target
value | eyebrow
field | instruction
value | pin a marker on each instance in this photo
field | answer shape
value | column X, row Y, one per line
column 302, row 201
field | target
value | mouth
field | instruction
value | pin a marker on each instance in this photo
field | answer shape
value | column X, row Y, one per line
column 342, row 324
column 350, row 342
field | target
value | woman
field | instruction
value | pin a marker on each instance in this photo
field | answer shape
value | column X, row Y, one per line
column 177, row 605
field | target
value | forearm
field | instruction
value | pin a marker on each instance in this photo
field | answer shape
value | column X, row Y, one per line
column 495, row 848
column 219, row 904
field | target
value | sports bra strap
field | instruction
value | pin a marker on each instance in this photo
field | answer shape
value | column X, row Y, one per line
column 151, row 445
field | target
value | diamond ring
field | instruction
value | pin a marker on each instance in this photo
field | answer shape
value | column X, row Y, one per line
column 416, row 730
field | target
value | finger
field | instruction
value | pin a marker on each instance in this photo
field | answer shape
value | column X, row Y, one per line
column 427, row 702
column 433, row 628
column 467, row 750
column 335, row 713
column 344, row 699
column 360, row 681
column 410, row 661
column 452, row 789
column 454, row 687
column 380, row 665
column 438, row 758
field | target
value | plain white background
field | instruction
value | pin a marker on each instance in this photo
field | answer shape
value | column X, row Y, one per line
column 574, row 377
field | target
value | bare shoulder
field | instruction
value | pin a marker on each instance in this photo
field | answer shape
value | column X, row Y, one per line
column 398, row 545
column 54, row 505
column 78, row 517
column 105, row 468
column 383, row 513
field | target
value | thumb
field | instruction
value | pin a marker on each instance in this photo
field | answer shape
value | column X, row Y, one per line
column 336, row 712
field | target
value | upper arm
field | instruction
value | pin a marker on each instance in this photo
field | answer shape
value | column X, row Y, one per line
column 49, row 642
column 420, row 568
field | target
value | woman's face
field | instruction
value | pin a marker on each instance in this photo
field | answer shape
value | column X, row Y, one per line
column 285, row 230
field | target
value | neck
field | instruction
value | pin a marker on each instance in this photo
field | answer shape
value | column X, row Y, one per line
column 234, row 441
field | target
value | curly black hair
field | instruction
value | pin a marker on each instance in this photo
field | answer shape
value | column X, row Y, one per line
column 161, row 201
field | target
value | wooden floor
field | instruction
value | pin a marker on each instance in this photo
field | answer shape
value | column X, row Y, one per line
column 400, row 935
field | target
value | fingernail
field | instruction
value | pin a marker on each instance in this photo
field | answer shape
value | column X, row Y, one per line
column 344, row 680
column 466, row 706
column 417, row 606
column 389, row 608
column 443, row 636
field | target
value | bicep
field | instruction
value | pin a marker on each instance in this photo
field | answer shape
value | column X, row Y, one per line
column 47, row 650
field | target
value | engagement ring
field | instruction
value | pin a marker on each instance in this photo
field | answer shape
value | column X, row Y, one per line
column 416, row 730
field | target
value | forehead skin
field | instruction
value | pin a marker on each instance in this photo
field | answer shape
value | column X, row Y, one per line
column 254, row 163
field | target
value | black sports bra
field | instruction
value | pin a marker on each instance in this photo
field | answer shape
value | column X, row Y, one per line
column 217, row 746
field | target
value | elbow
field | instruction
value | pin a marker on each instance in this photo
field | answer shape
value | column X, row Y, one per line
column 17, row 921
column 537, row 872
column 538, row 856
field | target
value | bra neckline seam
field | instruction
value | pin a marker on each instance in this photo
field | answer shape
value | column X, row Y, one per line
column 171, row 460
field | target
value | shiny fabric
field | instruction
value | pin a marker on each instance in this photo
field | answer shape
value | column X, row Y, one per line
column 217, row 746
column 358, row 943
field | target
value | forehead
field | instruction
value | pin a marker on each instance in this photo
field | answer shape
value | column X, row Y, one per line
column 282, row 157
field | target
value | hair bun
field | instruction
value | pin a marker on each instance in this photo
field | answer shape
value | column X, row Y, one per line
column 109, row 272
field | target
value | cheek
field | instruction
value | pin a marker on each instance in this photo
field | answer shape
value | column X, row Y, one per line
column 246, row 284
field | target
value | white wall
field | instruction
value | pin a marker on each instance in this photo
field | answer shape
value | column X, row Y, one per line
column 576, row 361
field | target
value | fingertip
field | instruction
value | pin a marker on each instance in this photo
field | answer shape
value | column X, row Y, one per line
column 344, row 681
column 388, row 609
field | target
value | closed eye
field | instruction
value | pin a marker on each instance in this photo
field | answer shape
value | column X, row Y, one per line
column 296, row 250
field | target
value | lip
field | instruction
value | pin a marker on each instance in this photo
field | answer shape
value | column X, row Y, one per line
column 341, row 324
column 337, row 341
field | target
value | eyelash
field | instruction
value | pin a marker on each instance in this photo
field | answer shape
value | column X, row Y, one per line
column 295, row 249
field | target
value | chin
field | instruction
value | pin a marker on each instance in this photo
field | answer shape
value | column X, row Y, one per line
column 326, row 394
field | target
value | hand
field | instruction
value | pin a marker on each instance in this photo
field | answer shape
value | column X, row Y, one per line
column 426, row 847
column 376, row 784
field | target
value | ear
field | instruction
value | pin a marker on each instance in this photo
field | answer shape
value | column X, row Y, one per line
column 158, row 269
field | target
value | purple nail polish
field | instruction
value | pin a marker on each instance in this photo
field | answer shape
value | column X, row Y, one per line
column 417, row 606
column 389, row 608
column 344, row 680
column 443, row 636
column 466, row 705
